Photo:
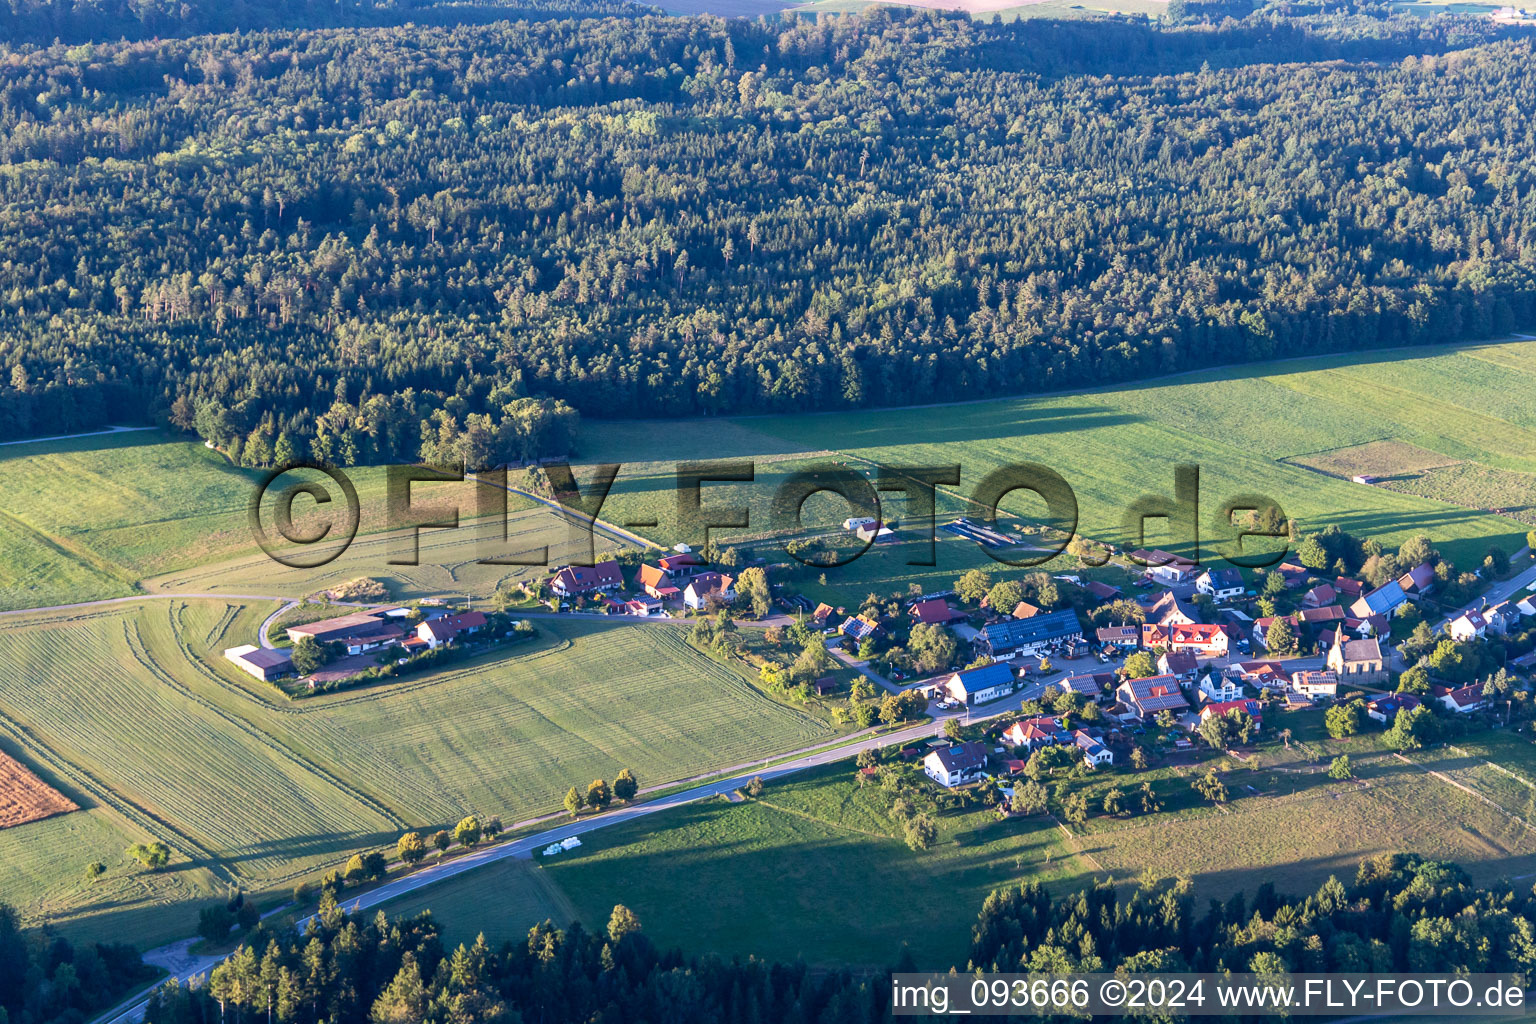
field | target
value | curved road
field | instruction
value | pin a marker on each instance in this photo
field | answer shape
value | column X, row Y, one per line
column 185, row 967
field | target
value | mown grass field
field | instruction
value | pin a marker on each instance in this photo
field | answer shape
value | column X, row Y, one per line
column 448, row 562
column 501, row 901
column 1243, row 426
column 133, row 708
column 88, row 518
column 813, row 869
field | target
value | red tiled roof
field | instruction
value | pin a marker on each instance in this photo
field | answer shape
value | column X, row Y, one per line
column 934, row 610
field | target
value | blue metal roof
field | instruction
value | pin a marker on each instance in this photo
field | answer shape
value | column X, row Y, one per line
column 1017, row 632
column 1385, row 598
column 986, row 677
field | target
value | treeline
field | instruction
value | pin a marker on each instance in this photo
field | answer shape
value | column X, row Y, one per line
column 1400, row 913
column 48, row 980
column 79, row 21
column 338, row 235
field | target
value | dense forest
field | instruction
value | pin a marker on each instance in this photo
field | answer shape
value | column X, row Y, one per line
column 47, row 980
column 353, row 243
column 76, row 21
column 1400, row 913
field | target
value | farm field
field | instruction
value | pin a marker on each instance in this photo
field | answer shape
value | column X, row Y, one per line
column 811, row 870
column 448, row 562
column 1244, row 427
column 88, row 518
column 42, row 873
column 140, row 714
column 24, row 797
column 818, row 846
column 501, row 900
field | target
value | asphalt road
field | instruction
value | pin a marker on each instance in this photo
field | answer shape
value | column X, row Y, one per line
column 1500, row 591
column 186, row 966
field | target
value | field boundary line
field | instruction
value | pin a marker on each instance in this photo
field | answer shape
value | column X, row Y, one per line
column 140, row 652
column 140, row 818
column 1076, row 847
column 1527, row 783
column 823, row 821
column 1469, row 791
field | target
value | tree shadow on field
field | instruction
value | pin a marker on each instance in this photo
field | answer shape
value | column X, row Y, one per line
column 1021, row 419
column 320, row 844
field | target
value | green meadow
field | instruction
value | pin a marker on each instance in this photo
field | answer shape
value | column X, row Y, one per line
column 814, row 868
column 132, row 711
column 92, row 517
column 1246, row 428
column 500, row 901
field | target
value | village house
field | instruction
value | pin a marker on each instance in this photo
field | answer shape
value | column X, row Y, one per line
column 1146, row 697
column 1033, row 733
column 1169, row 610
column 1319, row 596
column 950, row 766
column 1320, row 616
column 822, row 616
column 980, row 685
column 1196, row 638
column 1501, row 618
column 1089, row 684
column 1384, row 600
column 656, row 583
column 347, row 627
column 445, row 629
column 1254, row 709
column 1127, row 637
column 576, row 580
column 1467, row 626
column 1028, row 636
column 1165, row 566
column 1371, row 625
column 1182, row 665
column 1221, row 584
column 1292, row 574
column 1315, row 684
column 1357, row 660
column 1095, row 753
column 1101, row 592
column 643, row 607
column 682, row 566
column 1219, row 688
column 706, row 585
column 1384, row 709
column 263, row 663
column 1418, row 581
column 934, row 612
column 857, row 627
column 1261, row 674
column 1025, row 610
column 1348, row 587
column 1463, row 699
column 357, row 633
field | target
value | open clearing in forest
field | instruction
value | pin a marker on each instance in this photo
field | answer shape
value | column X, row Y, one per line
column 133, row 709
column 501, row 901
